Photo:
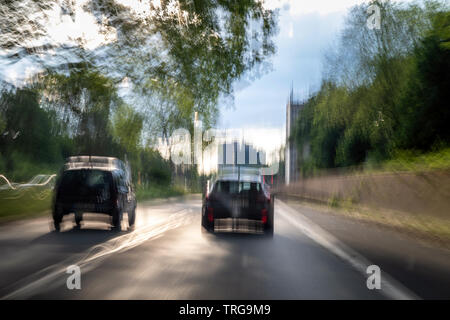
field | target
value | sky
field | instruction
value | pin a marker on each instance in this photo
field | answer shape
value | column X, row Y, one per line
column 306, row 30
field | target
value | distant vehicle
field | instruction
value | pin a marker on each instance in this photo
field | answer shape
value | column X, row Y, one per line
column 95, row 185
column 238, row 203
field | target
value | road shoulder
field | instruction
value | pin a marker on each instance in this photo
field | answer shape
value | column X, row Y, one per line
column 421, row 266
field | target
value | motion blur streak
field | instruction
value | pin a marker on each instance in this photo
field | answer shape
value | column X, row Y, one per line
column 7, row 181
column 37, row 181
column 149, row 231
column 391, row 288
column 169, row 256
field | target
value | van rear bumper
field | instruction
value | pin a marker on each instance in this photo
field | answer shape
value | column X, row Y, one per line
column 65, row 208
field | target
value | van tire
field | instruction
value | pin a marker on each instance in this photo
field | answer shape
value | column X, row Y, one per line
column 117, row 219
column 132, row 217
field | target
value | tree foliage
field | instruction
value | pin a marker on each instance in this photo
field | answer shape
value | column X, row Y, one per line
column 383, row 90
column 186, row 53
column 176, row 57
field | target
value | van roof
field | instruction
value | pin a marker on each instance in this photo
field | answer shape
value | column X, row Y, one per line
column 94, row 162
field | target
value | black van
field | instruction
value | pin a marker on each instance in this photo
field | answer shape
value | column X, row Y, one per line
column 94, row 185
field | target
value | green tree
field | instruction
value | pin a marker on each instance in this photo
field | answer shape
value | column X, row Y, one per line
column 29, row 140
column 424, row 112
column 127, row 128
column 85, row 101
column 199, row 46
column 384, row 90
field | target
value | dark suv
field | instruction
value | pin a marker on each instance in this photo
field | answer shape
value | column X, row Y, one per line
column 95, row 185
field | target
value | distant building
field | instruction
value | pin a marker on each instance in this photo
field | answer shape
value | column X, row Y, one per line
column 236, row 153
column 292, row 156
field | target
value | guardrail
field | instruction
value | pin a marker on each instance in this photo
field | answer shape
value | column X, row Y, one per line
column 423, row 193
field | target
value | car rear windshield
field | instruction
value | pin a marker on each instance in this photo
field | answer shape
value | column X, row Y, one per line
column 86, row 183
column 236, row 188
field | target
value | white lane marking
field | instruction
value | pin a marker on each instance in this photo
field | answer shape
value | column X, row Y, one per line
column 48, row 278
column 389, row 286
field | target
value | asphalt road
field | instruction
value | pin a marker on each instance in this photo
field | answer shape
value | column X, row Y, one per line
column 169, row 256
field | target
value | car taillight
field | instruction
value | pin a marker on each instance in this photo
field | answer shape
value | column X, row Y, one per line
column 210, row 214
column 264, row 215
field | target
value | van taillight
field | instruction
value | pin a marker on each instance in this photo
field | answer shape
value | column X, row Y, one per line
column 210, row 214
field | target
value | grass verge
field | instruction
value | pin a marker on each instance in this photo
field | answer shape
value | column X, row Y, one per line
column 156, row 191
column 35, row 202
column 25, row 203
column 421, row 227
column 410, row 160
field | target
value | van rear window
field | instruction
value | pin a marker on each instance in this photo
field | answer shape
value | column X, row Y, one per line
column 86, row 183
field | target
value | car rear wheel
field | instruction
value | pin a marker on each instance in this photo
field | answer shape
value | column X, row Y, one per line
column 205, row 223
column 269, row 230
column 269, row 226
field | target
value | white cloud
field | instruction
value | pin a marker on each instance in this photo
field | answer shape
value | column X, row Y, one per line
column 291, row 30
column 63, row 30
